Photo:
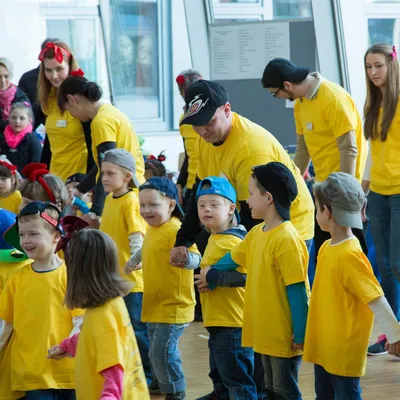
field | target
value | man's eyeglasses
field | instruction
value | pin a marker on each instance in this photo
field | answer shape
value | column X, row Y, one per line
column 275, row 94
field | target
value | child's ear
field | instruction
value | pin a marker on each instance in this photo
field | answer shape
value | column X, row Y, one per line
column 172, row 206
column 57, row 237
column 232, row 208
column 328, row 212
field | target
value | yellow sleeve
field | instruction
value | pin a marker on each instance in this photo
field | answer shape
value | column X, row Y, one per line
column 238, row 253
column 201, row 173
column 292, row 266
column 110, row 350
column 357, row 276
column 103, row 130
column 244, row 171
column 77, row 312
column 297, row 119
column 134, row 220
column 7, row 300
column 340, row 115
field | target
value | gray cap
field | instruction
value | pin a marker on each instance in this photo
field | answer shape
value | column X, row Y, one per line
column 347, row 199
column 123, row 159
column 8, row 64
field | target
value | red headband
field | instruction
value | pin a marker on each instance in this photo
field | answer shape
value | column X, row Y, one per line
column 77, row 72
column 59, row 52
column 10, row 167
column 34, row 172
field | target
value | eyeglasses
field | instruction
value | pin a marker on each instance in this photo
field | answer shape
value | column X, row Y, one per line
column 275, row 94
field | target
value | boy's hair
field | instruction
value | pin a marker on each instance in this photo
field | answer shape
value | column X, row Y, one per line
column 23, row 105
column 7, row 173
column 93, row 275
column 51, row 211
column 35, row 191
column 156, row 167
column 322, row 197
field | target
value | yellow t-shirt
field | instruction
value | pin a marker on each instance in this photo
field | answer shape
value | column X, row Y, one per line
column 107, row 339
column 385, row 168
column 223, row 306
column 274, row 260
column 169, row 292
column 34, row 304
column 67, row 142
column 12, row 202
column 190, row 138
column 8, row 269
column 322, row 120
column 248, row 145
column 112, row 125
column 339, row 321
column 121, row 217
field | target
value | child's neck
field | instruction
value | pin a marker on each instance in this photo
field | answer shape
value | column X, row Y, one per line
column 4, row 196
column 121, row 191
column 48, row 263
column 339, row 234
column 222, row 228
column 272, row 220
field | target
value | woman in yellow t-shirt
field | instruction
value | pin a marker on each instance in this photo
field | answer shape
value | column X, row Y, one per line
column 106, row 353
column 187, row 175
column 382, row 173
column 110, row 129
column 66, row 150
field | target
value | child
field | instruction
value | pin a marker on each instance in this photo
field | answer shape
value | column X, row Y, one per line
column 276, row 258
column 10, row 197
column 168, row 300
column 94, row 283
column 154, row 166
column 32, row 305
column 40, row 185
column 71, row 183
column 345, row 295
column 122, row 221
column 231, row 365
column 20, row 145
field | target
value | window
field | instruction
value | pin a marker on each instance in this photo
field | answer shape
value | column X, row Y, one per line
column 292, row 9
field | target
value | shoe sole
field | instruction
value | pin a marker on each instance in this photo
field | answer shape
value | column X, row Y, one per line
column 377, row 354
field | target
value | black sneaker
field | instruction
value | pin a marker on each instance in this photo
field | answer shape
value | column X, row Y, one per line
column 176, row 396
column 154, row 387
column 209, row 396
column 378, row 348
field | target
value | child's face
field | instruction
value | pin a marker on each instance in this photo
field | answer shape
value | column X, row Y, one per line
column 19, row 119
column 36, row 239
column 6, row 185
column 214, row 211
column 155, row 208
column 114, row 177
column 323, row 217
column 258, row 201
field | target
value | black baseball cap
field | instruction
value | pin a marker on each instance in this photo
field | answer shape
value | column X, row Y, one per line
column 280, row 70
column 202, row 99
column 78, row 177
column 277, row 179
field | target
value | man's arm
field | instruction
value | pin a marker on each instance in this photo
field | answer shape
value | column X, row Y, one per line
column 302, row 156
column 348, row 152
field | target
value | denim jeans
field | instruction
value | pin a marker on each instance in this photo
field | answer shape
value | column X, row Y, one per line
column 231, row 365
column 281, row 377
column 384, row 217
column 334, row 387
column 165, row 356
column 50, row 394
column 133, row 303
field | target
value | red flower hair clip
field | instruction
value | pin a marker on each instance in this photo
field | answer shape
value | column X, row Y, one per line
column 59, row 52
column 161, row 157
column 77, row 72
column 10, row 167
column 180, row 80
column 35, row 172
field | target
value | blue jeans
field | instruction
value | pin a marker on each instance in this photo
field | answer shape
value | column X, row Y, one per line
column 334, row 387
column 50, row 394
column 384, row 217
column 231, row 365
column 133, row 303
column 281, row 377
column 165, row 356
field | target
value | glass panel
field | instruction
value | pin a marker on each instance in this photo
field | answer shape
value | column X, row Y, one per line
column 236, row 1
column 292, row 9
column 381, row 30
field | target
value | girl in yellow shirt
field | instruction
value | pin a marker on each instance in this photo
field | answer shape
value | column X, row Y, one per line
column 10, row 197
column 382, row 172
column 107, row 360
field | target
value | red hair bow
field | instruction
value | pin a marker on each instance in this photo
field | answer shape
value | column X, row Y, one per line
column 59, row 52
column 10, row 167
column 161, row 157
column 77, row 72
column 180, row 80
column 70, row 226
column 35, row 172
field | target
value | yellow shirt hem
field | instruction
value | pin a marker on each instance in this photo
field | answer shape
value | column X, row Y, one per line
column 336, row 371
column 222, row 324
column 271, row 352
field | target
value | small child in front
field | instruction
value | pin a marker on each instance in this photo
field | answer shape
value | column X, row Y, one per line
column 345, row 295
column 276, row 298
column 107, row 360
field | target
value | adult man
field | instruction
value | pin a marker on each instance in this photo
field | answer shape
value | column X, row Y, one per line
column 328, row 125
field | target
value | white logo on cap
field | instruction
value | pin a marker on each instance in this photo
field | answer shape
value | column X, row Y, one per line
column 195, row 106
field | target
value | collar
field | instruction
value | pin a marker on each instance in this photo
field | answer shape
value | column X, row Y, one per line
column 313, row 90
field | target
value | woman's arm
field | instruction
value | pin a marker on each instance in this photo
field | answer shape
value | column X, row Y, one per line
column 35, row 150
column 88, row 139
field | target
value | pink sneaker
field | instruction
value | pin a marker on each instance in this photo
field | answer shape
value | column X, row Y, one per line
column 378, row 348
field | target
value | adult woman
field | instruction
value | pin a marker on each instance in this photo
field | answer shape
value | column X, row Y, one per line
column 110, row 129
column 67, row 150
column 187, row 175
column 382, row 175
column 9, row 93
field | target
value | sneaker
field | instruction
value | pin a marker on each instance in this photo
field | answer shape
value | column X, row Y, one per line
column 154, row 387
column 209, row 396
column 176, row 396
column 378, row 348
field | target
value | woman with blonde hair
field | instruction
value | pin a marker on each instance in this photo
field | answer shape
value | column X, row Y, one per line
column 67, row 148
column 382, row 173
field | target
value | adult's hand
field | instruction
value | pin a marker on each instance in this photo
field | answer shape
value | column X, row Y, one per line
column 180, row 190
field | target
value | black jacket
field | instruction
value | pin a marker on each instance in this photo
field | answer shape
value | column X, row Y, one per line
column 29, row 150
column 28, row 83
column 20, row 96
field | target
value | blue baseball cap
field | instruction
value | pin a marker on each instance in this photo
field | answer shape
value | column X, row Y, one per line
column 166, row 187
column 220, row 187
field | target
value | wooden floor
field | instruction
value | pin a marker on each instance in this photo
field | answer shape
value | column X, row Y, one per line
column 382, row 380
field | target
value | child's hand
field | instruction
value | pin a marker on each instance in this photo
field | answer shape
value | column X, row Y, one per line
column 179, row 256
column 55, row 353
column 297, row 346
column 201, row 281
column 393, row 348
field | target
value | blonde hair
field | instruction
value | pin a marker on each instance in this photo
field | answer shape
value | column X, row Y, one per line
column 51, row 211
